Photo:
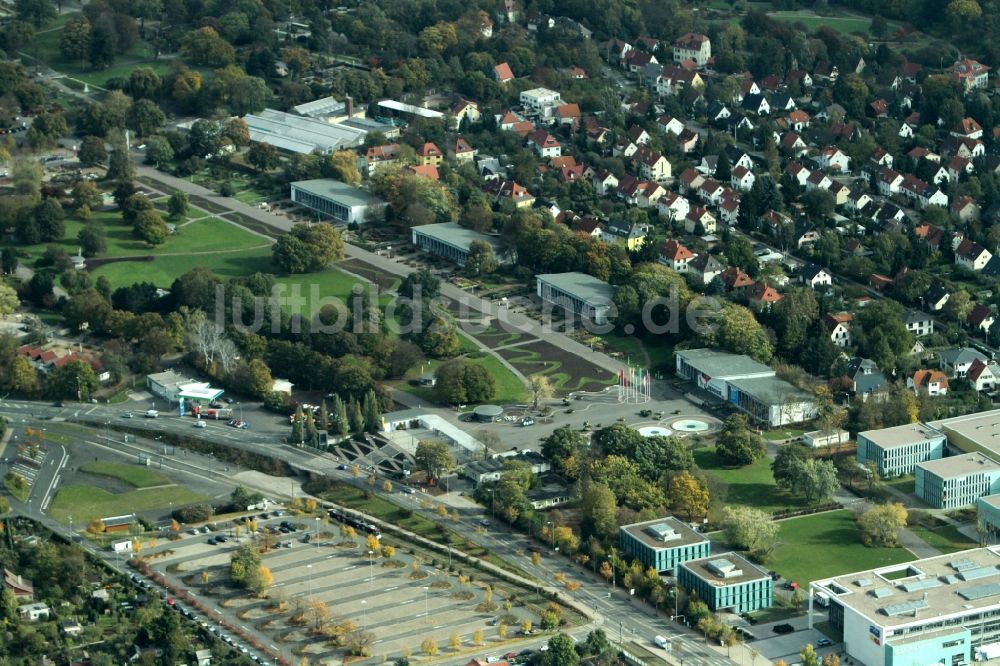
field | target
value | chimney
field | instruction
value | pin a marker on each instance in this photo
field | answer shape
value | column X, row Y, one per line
column 349, row 106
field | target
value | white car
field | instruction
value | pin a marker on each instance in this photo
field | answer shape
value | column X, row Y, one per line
column 200, row 424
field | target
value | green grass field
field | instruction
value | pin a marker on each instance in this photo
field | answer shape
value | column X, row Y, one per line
column 85, row 503
column 904, row 484
column 134, row 475
column 47, row 44
column 660, row 352
column 752, row 485
column 845, row 24
column 947, row 539
column 827, row 544
column 162, row 271
column 21, row 493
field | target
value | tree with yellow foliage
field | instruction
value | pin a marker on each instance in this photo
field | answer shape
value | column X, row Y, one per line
column 175, row 527
column 372, row 543
column 688, row 496
column 536, row 558
column 388, row 552
column 387, row 486
column 455, row 642
column 477, row 637
column 442, row 510
column 429, row 647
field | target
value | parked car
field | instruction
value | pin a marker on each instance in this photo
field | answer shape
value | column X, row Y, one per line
column 824, row 642
column 200, row 424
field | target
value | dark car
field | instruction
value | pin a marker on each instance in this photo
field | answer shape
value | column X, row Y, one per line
column 211, row 542
column 58, row 403
column 222, row 538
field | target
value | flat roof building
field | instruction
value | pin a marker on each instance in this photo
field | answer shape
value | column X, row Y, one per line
column 939, row 610
column 580, row 294
column 662, row 543
column 175, row 387
column 728, row 582
column 452, row 241
column 334, row 199
column 973, row 432
column 957, row 481
column 897, row 450
column 988, row 509
column 747, row 384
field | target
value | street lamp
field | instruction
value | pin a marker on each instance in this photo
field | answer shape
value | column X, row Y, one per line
column 309, row 574
column 317, row 533
column 371, row 568
column 552, row 532
column 426, row 614
column 493, row 502
column 364, row 615
column 388, row 249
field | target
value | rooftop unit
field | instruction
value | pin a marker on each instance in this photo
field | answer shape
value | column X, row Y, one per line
column 723, row 568
column 662, row 532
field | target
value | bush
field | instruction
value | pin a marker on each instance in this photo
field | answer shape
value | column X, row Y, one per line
column 227, row 189
column 196, row 513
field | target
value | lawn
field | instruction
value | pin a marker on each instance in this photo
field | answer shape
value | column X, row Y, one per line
column 162, row 271
column 904, row 484
column 85, row 503
column 827, row 544
column 660, row 352
column 21, row 494
column 134, row 475
column 510, row 390
column 320, row 289
column 947, row 539
column 782, row 434
column 752, row 485
column 845, row 24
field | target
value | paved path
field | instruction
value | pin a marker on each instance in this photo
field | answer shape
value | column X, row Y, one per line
column 491, row 311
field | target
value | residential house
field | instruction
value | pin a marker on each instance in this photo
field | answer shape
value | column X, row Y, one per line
column 798, row 120
column 957, row 360
column 540, row 102
column 693, row 46
column 834, row 159
column 461, row 151
column 568, row 114
column 429, row 155
column 699, row 221
column 544, row 144
column 34, row 612
column 465, row 109
column 983, row 375
column 687, row 141
column 972, row 255
column 502, row 73
column 604, row 182
column 638, row 135
column 673, row 206
column 928, row 382
column 936, row 297
column 577, row 73
column 377, row 157
column 717, row 112
column 623, row 148
column 652, row 164
column 762, row 296
column 690, row 180
column 22, row 588
column 888, row 181
column 756, row 104
column 780, row 101
column 636, row 60
column 424, row 170
column 965, row 209
column 616, row 49
column 980, row 318
column 729, row 209
column 918, row 323
column 633, row 235
column 650, row 193
column 816, row 276
column 710, row 191
column 735, row 278
column 705, row 267
column 670, row 125
column 509, row 190
column 969, row 74
column 807, row 238
column 70, row 628
column 508, row 11
column 867, row 381
column 818, row 180
column 675, row 255
column 839, row 327
column 798, row 172
column 958, row 167
column 674, row 80
column 967, row 128
column 793, row 144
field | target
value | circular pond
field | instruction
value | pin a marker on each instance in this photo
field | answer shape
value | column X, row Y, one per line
column 690, row 425
column 654, row 431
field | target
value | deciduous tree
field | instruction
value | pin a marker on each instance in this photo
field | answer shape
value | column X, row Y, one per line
column 688, row 496
column 880, row 524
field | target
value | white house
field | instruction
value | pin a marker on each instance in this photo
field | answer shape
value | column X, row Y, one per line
column 816, row 276
column 742, row 179
column 34, row 612
column 693, row 46
column 972, row 255
column 540, row 102
column 676, row 256
column 835, row 159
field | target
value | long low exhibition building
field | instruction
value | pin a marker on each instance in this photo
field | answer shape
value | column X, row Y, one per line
column 452, row 241
column 340, row 201
column 579, row 294
column 939, row 610
column 298, row 134
column 751, row 386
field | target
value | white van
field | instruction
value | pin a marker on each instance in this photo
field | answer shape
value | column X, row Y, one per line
column 660, row 641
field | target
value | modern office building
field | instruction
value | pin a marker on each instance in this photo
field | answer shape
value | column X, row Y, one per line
column 956, row 481
column 452, row 241
column 897, row 450
column 337, row 200
column 988, row 509
column 973, row 432
column 579, row 294
column 751, row 386
column 728, row 583
column 939, row 610
column 663, row 543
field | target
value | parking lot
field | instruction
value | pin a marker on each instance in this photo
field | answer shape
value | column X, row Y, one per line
column 333, row 587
